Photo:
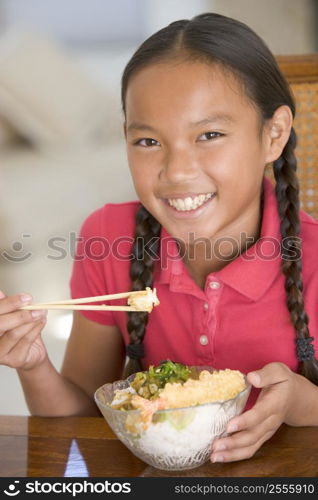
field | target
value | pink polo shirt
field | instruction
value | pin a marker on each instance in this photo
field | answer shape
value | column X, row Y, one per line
column 239, row 321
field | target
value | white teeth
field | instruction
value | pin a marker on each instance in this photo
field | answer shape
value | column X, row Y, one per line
column 188, row 203
column 183, row 204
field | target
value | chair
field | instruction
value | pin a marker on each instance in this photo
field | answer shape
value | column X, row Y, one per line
column 301, row 72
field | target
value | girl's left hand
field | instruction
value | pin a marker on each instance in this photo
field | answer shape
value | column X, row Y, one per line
column 255, row 426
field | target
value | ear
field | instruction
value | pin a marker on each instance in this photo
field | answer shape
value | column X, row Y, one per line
column 277, row 132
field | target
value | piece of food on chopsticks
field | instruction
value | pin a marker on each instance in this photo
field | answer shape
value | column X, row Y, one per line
column 143, row 300
column 174, row 385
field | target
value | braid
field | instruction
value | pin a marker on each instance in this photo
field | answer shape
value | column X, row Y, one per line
column 141, row 274
column 287, row 194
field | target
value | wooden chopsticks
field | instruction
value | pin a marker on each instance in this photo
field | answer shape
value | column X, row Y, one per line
column 142, row 300
column 79, row 307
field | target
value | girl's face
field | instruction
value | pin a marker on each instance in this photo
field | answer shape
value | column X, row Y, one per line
column 194, row 149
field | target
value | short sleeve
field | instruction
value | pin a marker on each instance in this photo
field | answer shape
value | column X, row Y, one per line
column 88, row 273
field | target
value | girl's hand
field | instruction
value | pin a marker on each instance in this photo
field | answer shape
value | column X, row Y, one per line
column 255, row 426
column 21, row 345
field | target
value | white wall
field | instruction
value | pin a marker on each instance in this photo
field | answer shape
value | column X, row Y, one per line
column 79, row 21
column 159, row 13
column 287, row 26
column 99, row 21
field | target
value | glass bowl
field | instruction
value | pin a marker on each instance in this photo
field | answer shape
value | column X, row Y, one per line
column 177, row 439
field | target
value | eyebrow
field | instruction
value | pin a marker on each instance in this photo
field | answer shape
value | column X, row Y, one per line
column 215, row 118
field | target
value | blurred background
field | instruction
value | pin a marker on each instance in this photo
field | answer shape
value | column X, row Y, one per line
column 62, row 150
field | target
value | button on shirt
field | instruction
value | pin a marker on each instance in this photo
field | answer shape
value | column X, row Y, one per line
column 204, row 340
column 214, row 285
column 239, row 320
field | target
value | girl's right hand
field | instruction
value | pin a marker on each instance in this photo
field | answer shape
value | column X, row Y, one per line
column 21, row 345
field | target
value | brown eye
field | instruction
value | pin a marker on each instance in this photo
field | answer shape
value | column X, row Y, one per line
column 148, row 142
column 211, row 135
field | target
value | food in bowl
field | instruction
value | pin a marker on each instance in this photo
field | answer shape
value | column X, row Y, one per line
column 170, row 414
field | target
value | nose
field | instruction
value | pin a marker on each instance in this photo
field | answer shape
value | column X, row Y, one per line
column 180, row 166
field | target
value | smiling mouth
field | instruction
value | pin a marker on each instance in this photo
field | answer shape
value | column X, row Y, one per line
column 189, row 203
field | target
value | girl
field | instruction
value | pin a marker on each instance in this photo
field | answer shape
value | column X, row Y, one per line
column 206, row 109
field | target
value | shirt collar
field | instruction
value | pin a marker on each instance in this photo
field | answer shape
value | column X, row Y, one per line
column 251, row 274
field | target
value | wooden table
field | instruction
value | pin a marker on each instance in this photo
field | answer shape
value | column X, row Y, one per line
column 86, row 447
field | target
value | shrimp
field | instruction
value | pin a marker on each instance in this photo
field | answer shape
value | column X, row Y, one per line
column 147, row 407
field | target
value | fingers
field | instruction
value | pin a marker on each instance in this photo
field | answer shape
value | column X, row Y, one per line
column 20, row 353
column 10, row 339
column 253, row 427
column 13, row 302
column 272, row 373
column 251, row 418
column 11, row 321
column 17, row 355
column 244, row 443
column 19, row 332
column 240, row 452
column 246, row 436
column 258, row 420
column 11, row 316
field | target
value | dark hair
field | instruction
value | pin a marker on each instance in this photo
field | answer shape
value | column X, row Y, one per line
column 211, row 37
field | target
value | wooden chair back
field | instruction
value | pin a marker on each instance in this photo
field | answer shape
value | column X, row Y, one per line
column 301, row 72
